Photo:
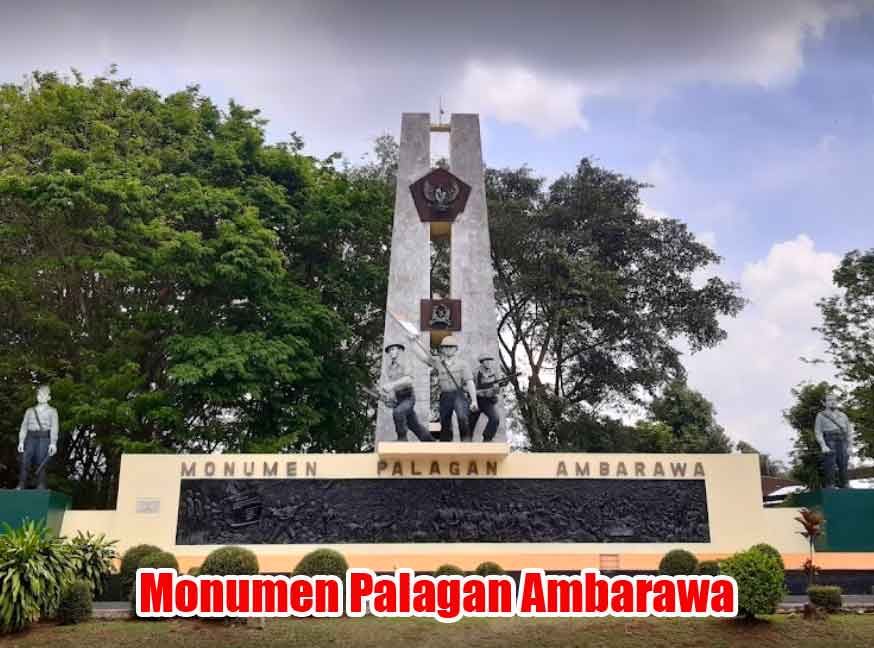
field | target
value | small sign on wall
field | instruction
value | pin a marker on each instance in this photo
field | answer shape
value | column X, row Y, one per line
column 148, row 505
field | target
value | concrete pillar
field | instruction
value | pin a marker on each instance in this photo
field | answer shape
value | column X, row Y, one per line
column 472, row 274
column 409, row 278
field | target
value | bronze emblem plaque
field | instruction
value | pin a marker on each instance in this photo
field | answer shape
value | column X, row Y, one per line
column 439, row 196
column 440, row 315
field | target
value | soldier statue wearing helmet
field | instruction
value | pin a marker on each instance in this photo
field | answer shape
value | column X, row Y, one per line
column 457, row 391
column 397, row 390
column 487, row 379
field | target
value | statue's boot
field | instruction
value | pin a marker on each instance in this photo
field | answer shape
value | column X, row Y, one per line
column 20, row 486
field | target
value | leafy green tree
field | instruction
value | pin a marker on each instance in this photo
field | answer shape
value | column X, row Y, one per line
column 182, row 285
column 848, row 328
column 690, row 418
column 593, row 296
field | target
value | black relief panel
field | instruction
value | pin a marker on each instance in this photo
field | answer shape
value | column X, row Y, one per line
column 322, row 511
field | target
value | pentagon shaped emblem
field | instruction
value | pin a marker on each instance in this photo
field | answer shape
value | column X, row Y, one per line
column 439, row 196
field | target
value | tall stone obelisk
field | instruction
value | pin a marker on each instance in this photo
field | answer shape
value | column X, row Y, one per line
column 471, row 271
column 409, row 278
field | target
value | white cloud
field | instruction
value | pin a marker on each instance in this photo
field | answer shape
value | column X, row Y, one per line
column 749, row 376
column 517, row 95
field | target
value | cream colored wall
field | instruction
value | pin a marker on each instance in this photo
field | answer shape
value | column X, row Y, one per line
column 737, row 517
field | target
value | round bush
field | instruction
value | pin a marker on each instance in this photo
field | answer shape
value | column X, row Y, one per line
column 708, row 568
column 449, row 570
column 488, row 568
column 130, row 562
column 159, row 560
column 76, row 602
column 230, row 561
column 768, row 549
column 194, row 571
column 322, row 562
column 678, row 562
column 760, row 581
column 826, row 596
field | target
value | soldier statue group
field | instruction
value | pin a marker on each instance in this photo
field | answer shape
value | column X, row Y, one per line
column 466, row 395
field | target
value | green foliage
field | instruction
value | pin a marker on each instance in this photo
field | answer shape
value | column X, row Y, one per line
column 159, row 560
column 34, row 567
column 76, row 602
column 93, row 557
column 449, row 570
column 194, row 571
column 826, row 596
column 690, row 418
column 322, row 562
column 488, row 568
column 764, row 547
column 593, row 297
column 760, row 580
column 806, row 456
column 163, row 265
column 678, row 562
column 130, row 562
column 229, row 561
column 848, row 329
column 709, row 568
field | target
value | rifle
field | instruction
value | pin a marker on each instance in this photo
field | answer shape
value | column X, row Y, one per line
column 387, row 401
column 500, row 382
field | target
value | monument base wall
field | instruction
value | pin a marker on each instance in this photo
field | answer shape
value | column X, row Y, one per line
column 463, row 504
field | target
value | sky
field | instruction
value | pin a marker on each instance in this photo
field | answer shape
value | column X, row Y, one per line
column 752, row 121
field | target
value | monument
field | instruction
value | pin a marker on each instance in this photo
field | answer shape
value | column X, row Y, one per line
column 433, row 204
column 466, row 499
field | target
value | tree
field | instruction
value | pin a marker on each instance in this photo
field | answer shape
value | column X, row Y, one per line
column 691, row 420
column 182, row 285
column 806, row 456
column 812, row 527
column 848, row 329
column 593, row 296
column 767, row 466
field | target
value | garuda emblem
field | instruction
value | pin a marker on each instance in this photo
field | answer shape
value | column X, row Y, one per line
column 440, row 198
column 439, row 195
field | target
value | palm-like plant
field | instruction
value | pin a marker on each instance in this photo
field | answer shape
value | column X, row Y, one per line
column 34, row 567
column 93, row 556
column 813, row 525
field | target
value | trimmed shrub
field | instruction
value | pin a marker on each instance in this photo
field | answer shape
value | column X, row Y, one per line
column 34, row 567
column 229, row 561
column 760, row 581
column 488, row 568
column 449, row 570
column 678, row 562
column 768, row 549
column 130, row 562
column 194, row 571
column 93, row 556
column 159, row 560
column 322, row 562
column 708, row 568
column 826, row 596
column 77, row 602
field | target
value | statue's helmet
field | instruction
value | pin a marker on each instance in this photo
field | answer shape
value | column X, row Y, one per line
column 449, row 341
column 393, row 345
column 482, row 357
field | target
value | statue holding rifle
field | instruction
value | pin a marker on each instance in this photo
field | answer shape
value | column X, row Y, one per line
column 397, row 393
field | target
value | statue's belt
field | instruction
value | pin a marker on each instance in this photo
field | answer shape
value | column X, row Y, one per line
column 39, row 434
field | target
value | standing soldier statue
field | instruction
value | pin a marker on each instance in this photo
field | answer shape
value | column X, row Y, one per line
column 486, row 380
column 457, row 393
column 38, row 438
column 397, row 392
column 833, row 433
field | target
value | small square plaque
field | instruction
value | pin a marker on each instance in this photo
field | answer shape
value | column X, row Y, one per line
column 148, row 505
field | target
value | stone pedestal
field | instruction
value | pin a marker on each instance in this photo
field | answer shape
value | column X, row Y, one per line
column 849, row 518
column 45, row 506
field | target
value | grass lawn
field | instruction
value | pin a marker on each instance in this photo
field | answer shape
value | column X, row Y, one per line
column 776, row 632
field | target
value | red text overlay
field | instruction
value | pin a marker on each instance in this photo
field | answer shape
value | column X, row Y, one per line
column 164, row 593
